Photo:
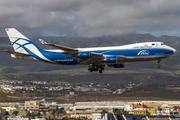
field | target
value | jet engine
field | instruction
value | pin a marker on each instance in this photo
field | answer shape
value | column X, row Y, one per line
column 84, row 55
column 111, row 59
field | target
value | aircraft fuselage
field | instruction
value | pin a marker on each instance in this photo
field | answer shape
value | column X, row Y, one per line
column 139, row 52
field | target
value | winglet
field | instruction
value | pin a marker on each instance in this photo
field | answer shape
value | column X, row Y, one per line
column 42, row 41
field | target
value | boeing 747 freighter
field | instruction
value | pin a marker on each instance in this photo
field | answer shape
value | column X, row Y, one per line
column 95, row 58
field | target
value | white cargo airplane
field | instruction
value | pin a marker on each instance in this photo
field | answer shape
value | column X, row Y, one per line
column 96, row 58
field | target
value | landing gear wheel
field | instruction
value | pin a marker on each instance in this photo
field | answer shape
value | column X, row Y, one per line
column 158, row 65
column 102, row 68
column 90, row 69
column 96, row 69
column 100, row 71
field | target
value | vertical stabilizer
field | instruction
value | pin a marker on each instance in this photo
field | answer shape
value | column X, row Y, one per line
column 19, row 42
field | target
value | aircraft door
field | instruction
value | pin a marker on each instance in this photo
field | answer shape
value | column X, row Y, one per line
column 156, row 44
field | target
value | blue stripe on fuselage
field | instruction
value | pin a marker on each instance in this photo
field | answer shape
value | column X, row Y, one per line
column 134, row 52
column 60, row 58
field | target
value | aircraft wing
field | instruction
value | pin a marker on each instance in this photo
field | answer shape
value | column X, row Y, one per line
column 66, row 50
column 73, row 52
column 61, row 47
column 58, row 46
column 17, row 53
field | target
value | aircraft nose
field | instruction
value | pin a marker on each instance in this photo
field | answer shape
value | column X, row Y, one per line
column 174, row 50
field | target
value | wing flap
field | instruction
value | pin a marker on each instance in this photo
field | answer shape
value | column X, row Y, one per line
column 84, row 60
column 17, row 53
column 96, row 55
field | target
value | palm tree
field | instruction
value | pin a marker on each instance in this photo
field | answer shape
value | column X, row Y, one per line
column 57, row 113
column 103, row 113
column 62, row 108
column 123, row 111
column 60, row 112
column 28, row 115
column 15, row 113
column 33, row 115
column 118, row 111
column 38, row 115
column 54, row 113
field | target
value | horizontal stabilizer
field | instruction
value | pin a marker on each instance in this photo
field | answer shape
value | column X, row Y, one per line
column 17, row 53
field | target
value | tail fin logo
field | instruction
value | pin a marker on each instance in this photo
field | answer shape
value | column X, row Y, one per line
column 24, row 45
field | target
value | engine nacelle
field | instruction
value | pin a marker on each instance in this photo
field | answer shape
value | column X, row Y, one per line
column 121, row 65
column 84, row 55
column 111, row 59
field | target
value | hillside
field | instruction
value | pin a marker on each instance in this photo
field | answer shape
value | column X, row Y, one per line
column 146, row 72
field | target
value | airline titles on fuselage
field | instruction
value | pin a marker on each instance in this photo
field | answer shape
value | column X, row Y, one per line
column 142, row 47
column 63, row 60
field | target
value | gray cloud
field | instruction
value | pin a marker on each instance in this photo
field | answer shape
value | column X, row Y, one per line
column 89, row 18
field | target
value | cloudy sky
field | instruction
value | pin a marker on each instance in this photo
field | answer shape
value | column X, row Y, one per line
column 91, row 18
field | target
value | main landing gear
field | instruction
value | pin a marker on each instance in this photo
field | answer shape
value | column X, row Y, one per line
column 96, row 68
column 158, row 65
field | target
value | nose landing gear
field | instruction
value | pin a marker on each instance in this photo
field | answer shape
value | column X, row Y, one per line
column 158, row 65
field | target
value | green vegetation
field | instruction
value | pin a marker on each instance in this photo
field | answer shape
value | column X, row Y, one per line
column 15, row 113
column 152, row 92
column 18, row 112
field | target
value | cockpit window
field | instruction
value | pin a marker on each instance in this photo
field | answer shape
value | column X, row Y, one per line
column 162, row 43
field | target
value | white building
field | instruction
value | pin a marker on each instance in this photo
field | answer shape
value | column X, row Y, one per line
column 128, row 107
column 94, row 106
column 39, row 119
column 96, row 116
column 118, row 91
column 18, row 119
